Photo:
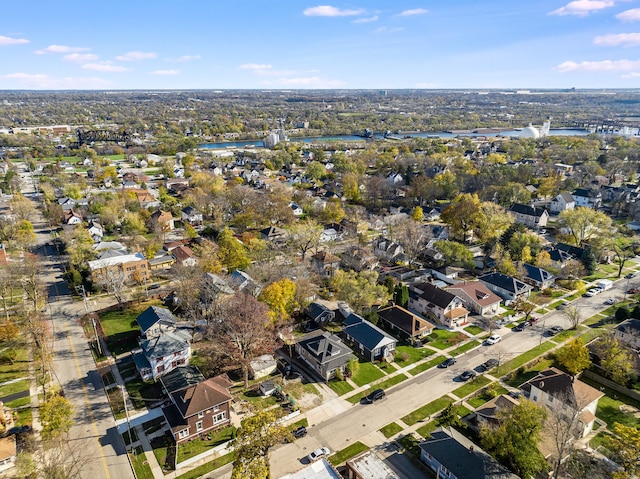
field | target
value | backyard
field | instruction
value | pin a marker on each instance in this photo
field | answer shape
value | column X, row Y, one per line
column 198, row 446
column 121, row 329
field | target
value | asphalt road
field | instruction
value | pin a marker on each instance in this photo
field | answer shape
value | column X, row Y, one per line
column 93, row 432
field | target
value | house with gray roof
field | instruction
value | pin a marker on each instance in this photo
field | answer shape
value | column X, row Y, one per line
column 435, row 303
column 405, row 324
column 155, row 320
column 530, row 216
column 562, row 202
column 507, row 287
column 325, row 353
column 628, row 331
column 319, row 313
column 537, row 277
column 590, row 198
column 367, row 339
column 450, row 454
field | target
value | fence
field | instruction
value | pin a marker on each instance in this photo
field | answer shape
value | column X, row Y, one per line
column 611, row 385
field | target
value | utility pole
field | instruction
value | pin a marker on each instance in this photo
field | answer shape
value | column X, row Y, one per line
column 95, row 331
column 84, row 296
column 126, row 413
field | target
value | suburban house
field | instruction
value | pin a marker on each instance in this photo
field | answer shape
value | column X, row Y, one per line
column 368, row 466
column 450, row 454
column 199, row 408
column 436, row 303
column 274, row 234
column 297, row 211
column 537, row 277
column 263, row 366
column 404, row 323
column 191, row 215
column 507, row 287
column 162, row 221
column 128, row 267
column 72, row 217
column 588, row 198
column 488, row 413
column 319, row 313
column 325, row 353
column 387, row 249
column 184, row 256
column 562, row 202
column 563, row 394
column 325, row 263
column 530, row 216
column 359, row 259
column 8, row 452
column 368, row 340
column 628, row 331
column 476, row 297
column 164, row 345
column 320, row 469
column 243, row 282
column 96, row 231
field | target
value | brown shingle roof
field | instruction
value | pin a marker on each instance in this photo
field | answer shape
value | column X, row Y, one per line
column 201, row 396
column 478, row 292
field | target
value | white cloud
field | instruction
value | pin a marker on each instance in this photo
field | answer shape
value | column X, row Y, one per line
column 388, row 30
column 366, row 19
column 255, row 66
column 165, row 72
column 80, row 57
column 187, row 58
column 414, row 11
column 304, row 82
column 136, row 56
column 600, row 66
column 329, row 11
column 632, row 15
column 612, row 40
column 61, row 49
column 583, row 8
column 6, row 41
column 632, row 75
column 45, row 82
column 104, row 67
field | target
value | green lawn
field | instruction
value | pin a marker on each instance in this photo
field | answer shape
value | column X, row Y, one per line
column 406, row 355
column 426, row 430
column 340, row 387
column 347, row 453
column 426, row 365
column 366, row 374
column 609, row 411
column 526, row 357
column 297, row 389
column 140, row 465
column 473, row 329
column 19, row 368
column 517, row 379
column 484, row 395
column 198, row 446
column 257, row 399
column 391, row 430
column 427, row 410
column 443, row 339
column 471, row 386
column 387, row 383
column 466, row 347
column 142, row 393
column 13, row 388
column 121, row 328
column 208, row 467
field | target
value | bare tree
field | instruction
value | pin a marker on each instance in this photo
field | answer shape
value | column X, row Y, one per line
column 411, row 235
column 305, row 236
column 189, row 287
column 113, row 282
column 245, row 332
column 53, row 460
column 489, row 323
column 573, row 315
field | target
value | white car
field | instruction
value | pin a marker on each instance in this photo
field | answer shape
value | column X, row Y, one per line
column 592, row 292
column 610, row 301
column 318, row 453
column 493, row 339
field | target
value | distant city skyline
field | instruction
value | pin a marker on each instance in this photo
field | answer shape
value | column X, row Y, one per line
column 367, row 44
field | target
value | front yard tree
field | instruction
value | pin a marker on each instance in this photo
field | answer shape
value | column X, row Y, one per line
column 515, row 440
column 280, row 296
column 615, row 358
column 256, row 436
column 113, row 282
column 56, row 415
column 305, row 236
column 574, row 357
column 245, row 333
column 624, row 248
column 584, row 223
column 625, row 445
column 523, row 305
column 573, row 315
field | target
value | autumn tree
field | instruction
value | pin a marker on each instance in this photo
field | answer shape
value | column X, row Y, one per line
column 454, row 253
column 574, row 357
column 523, row 305
column 22, row 207
column 411, row 235
column 25, row 235
column 615, row 358
column 305, row 236
column 417, row 213
column 583, row 224
column 464, row 215
column 232, row 253
column 56, row 416
column 515, row 440
column 79, row 246
column 624, row 247
column 280, row 297
column 625, row 444
column 245, row 333
column 360, row 290
column 256, row 435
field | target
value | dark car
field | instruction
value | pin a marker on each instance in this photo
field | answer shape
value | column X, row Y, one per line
column 632, row 291
column 299, row 432
column 630, row 275
column 555, row 330
column 153, row 286
column 374, row 396
column 465, row 376
column 19, row 430
column 522, row 326
column 447, row 362
column 489, row 363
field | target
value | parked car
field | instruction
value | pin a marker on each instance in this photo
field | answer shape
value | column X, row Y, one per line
column 374, row 396
column 318, row 453
column 447, row 362
column 555, row 330
column 592, row 292
column 19, row 430
column 153, row 286
column 610, row 301
column 493, row 339
column 489, row 363
column 465, row 376
column 522, row 326
column 299, row 432
column 632, row 291
column 561, row 306
column 629, row 276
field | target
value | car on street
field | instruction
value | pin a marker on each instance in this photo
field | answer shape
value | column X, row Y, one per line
column 592, row 292
column 374, row 396
column 610, row 301
column 299, row 432
column 447, row 362
column 489, row 363
column 465, row 376
column 629, row 276
column 632, row 291
column 522, row 326
column 561, row 306
column 493, row 339
column 318, row 453
column 555, row 330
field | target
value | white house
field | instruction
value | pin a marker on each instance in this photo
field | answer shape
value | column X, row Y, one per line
column 562, row 202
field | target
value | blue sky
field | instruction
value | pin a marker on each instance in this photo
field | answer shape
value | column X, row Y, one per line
column 300, row 44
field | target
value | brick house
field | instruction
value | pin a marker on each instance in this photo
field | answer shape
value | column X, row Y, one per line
column 436, row 303
column 132, row 268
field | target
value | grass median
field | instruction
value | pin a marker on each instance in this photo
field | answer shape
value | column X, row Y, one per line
column 427, row 410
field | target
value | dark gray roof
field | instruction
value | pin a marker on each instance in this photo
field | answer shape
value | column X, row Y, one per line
column 164, row 345
column 629, row 325
column 181, row 378
column 559, row 255
column 463, row 458
column 327, row 349
column 537, row 274
column 527, row 210
column 365, row 333
column 505, row 282
column 572, row 250
column 152, row 315
column 317, row 310
column 435, row 295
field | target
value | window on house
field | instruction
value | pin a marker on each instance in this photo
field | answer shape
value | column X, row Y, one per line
column 199, row 426
column 220, row 417
column 216, row 408
column 160, row 368
column 200, row 414
column 184, row 433
column 535, row 398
